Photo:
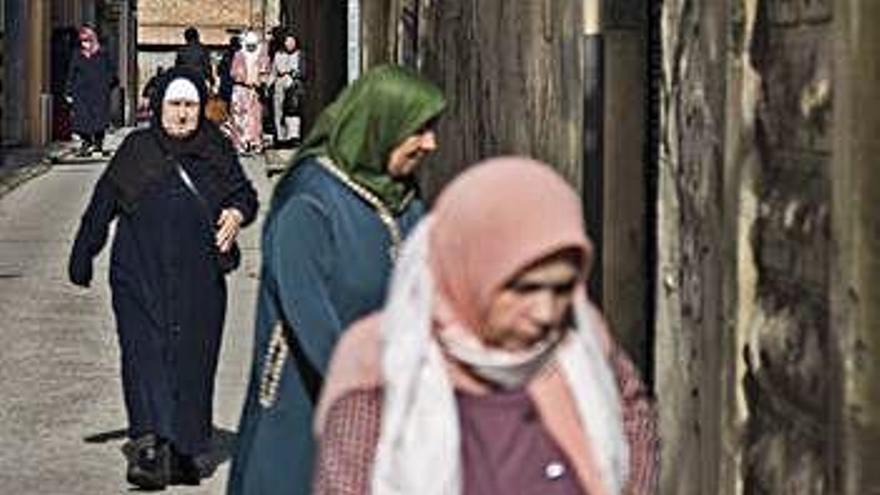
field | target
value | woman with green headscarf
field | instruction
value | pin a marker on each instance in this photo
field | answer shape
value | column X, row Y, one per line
column 337, row 219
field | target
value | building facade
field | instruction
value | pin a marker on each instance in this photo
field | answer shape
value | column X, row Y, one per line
column 161, row 24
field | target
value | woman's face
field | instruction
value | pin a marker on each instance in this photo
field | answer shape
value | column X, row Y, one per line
column 536, row 303
column 290, row 43
column 180, row 117
column 406, row 156
column 86, row 42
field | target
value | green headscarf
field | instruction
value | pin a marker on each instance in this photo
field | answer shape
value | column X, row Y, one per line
column 367, row 121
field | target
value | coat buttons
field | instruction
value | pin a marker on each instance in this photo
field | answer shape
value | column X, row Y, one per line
column 554, row 470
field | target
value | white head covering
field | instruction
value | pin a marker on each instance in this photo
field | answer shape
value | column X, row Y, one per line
column 182, row 89
column 251, row 38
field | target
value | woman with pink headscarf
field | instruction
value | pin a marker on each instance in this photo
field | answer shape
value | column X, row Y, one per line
column 89, row 80
column 488, row 371
column 250, row 68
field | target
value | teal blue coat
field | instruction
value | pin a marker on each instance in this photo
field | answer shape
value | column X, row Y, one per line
column 325, row 265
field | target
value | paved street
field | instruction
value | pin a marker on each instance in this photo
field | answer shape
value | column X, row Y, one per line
column 61, row 405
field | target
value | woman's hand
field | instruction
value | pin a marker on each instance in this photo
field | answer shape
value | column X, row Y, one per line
column 228, row 226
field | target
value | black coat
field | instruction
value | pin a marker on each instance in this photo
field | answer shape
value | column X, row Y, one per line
column 194, row 56
column 169, row 296
column 88, row 83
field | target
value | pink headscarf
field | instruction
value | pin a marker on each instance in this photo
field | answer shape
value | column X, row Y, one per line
column 492, row 222
column 87, row 33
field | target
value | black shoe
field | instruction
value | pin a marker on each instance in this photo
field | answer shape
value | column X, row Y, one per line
column 84, row 150
column 149, row 460
column 185, row 470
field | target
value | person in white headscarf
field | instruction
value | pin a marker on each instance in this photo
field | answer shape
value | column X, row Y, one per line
column 250, row 68
column 286, row 81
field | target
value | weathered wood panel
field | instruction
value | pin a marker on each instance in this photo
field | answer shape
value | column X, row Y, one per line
column 513, row 74
column 690, row 333
column 376, row 20
column 790, row 374
column 624, row 237
column 855, row 274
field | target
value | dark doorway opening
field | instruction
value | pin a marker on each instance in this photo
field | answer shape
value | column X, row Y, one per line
column 322, row 28
column 620, row 164
column 654, row 77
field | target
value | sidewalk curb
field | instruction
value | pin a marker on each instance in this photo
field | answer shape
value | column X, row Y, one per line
column 11, row 179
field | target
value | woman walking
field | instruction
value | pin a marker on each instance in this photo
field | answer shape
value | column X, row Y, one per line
column 488, row 371
column 89, row 80
column 250, row 67
column 180, row 197
column 286, row 82
column 329, row 241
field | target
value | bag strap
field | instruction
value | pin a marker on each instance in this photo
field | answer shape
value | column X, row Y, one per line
column 187, row 181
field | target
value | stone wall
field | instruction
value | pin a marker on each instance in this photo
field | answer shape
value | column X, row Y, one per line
column 161, row 22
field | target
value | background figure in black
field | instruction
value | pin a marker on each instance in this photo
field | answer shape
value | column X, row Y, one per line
column 150, row 87
column 166, row 279
column 64, row 45
column 276, row 41
column 224, row 69
column 89, row 81
column 149, row 90
column 193, row 55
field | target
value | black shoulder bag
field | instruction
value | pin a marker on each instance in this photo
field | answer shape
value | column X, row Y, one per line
column 229, row 260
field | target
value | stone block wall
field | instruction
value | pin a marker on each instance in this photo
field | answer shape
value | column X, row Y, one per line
column 161, row 22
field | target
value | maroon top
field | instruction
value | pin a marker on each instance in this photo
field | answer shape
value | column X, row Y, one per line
column 347, row 446
column 506, row 450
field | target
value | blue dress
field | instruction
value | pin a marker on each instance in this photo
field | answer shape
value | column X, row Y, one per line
column 326, row 264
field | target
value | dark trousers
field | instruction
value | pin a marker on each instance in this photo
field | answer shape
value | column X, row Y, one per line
column 93, row 139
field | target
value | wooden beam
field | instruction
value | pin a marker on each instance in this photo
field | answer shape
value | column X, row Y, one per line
column 856, row 234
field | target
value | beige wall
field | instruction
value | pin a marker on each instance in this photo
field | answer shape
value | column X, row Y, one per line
column 162, row 22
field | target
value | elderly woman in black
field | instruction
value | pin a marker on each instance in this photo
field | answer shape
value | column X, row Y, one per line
column 180, row 196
